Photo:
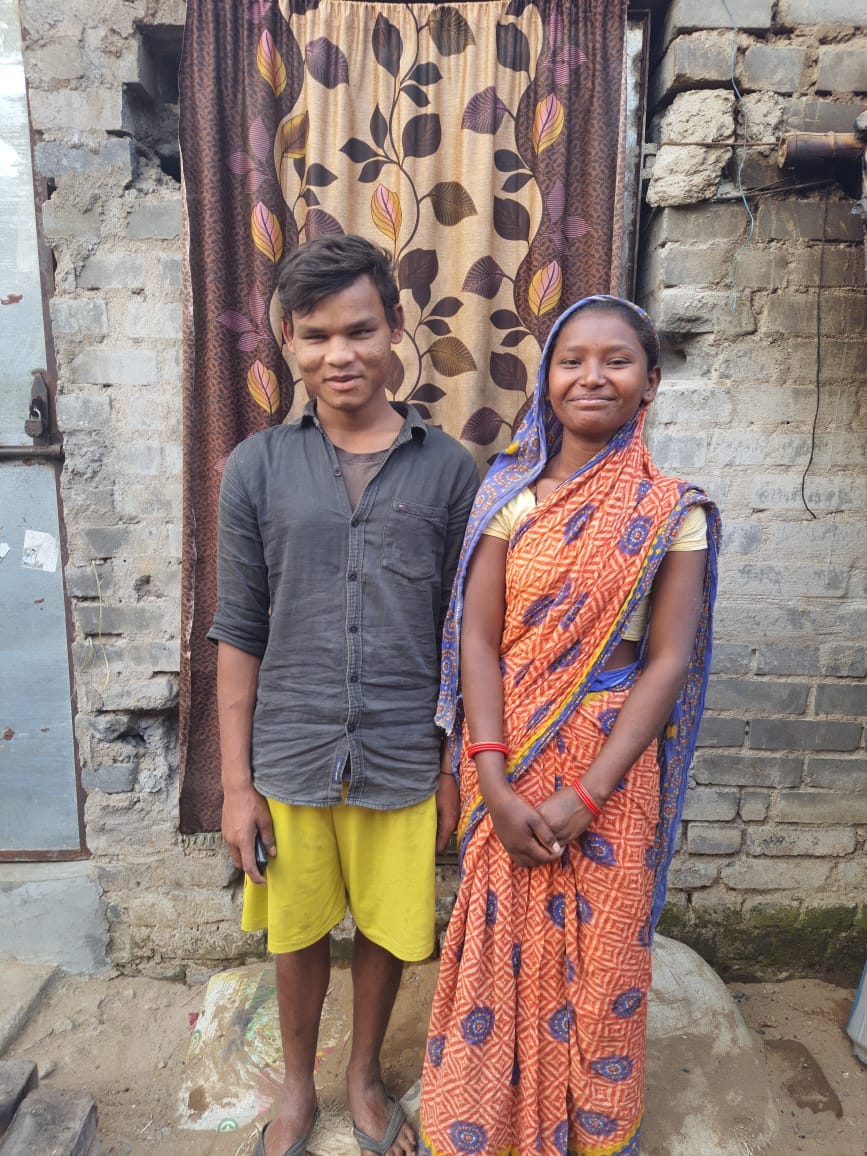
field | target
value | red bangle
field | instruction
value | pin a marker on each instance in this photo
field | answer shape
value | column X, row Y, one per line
column 586, row 798
column 474, row 748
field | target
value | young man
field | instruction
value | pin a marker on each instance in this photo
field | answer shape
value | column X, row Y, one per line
column 339, row 539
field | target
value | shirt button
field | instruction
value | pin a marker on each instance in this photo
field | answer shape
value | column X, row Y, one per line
column 350, row 727
column 354, row 522
column 353, row 678
column 353, row 629
column 338, row 473
column 352, row 576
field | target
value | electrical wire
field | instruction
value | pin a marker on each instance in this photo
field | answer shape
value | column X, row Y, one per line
column 742, row 156
column 821, row 279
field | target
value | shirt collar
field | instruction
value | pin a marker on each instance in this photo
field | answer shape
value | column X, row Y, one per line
column 413, row 425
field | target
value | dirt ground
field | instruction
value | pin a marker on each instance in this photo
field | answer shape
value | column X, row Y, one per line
column 125, row 1041
column 820, row 1087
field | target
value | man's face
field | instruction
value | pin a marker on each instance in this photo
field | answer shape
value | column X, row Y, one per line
column 343, row 349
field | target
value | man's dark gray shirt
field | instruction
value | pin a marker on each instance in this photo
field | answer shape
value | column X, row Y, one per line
column 344, row 607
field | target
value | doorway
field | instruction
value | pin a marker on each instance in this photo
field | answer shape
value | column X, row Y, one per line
column 40, row 816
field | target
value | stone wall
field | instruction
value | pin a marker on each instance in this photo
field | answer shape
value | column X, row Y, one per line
column 773, row 851
column 772, row 863
column 104, row 115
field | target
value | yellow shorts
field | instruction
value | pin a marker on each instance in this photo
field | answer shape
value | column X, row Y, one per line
column 379, row 862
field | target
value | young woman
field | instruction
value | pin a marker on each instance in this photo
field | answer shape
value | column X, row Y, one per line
column 581, row 621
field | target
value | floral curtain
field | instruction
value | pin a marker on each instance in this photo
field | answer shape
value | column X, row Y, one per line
column 480, row 143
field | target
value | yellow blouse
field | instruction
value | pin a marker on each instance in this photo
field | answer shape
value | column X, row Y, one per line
column 691, row 536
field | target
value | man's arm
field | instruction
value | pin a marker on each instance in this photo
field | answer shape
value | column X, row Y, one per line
column 244, row 810
column 240, row 630
column 459, row 511
column 448, row 801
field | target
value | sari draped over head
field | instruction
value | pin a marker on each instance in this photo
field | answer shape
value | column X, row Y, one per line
column 537, row 1032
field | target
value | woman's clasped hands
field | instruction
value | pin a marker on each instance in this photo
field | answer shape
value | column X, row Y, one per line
column 565, row 814
column 534, row 836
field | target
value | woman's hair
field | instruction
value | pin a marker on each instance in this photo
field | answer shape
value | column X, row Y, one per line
column 635, row 318
column 314, row 271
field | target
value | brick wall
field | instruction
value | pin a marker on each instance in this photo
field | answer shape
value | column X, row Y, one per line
column 113, row 222
column 771, row 873
column 771, row 865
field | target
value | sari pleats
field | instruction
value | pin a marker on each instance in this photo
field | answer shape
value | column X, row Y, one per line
column 537, row 1031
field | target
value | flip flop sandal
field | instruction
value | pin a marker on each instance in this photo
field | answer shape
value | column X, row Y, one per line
column 396, row 1121
column 298, row 1148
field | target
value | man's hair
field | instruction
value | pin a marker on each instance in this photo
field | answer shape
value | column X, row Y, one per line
column 325, row 266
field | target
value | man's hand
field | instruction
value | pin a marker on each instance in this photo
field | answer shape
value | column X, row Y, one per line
column 565, row 814
column 523, row 831
column 245, row 812
column 448, row 809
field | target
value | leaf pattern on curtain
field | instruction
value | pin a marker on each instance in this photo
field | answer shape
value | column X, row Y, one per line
column 386, row 158
column 478, row 143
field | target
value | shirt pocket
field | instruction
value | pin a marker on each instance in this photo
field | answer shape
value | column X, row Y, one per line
column 413, row 539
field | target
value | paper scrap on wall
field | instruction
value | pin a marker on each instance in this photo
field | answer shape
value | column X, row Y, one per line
column 41, row 551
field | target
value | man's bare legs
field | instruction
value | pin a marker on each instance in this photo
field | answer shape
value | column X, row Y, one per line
column 375, row 981
column 302, row 981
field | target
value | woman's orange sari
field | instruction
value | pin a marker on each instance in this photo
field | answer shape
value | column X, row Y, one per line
column 537, row 1035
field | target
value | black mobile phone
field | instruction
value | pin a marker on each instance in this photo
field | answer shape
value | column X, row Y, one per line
column 260, row 854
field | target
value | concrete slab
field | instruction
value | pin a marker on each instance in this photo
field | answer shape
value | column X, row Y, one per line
column 17, row 1079
column 708, row 1090
column 20, row 992
column 52, row 1122
column 52, row 913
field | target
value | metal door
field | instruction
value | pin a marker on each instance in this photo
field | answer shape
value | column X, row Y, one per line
column 39, row 806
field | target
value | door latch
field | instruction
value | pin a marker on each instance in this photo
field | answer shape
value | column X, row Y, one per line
column 38, row 424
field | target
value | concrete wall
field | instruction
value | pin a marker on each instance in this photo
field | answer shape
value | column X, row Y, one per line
column 104, row 119
column 772, row 861
column 772, row 870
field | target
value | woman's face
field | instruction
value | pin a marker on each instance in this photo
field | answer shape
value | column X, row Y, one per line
column 598, row 377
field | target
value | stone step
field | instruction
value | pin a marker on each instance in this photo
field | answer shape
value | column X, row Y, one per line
column 17, row 1079
column 23, row 984
column 52, row 1122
